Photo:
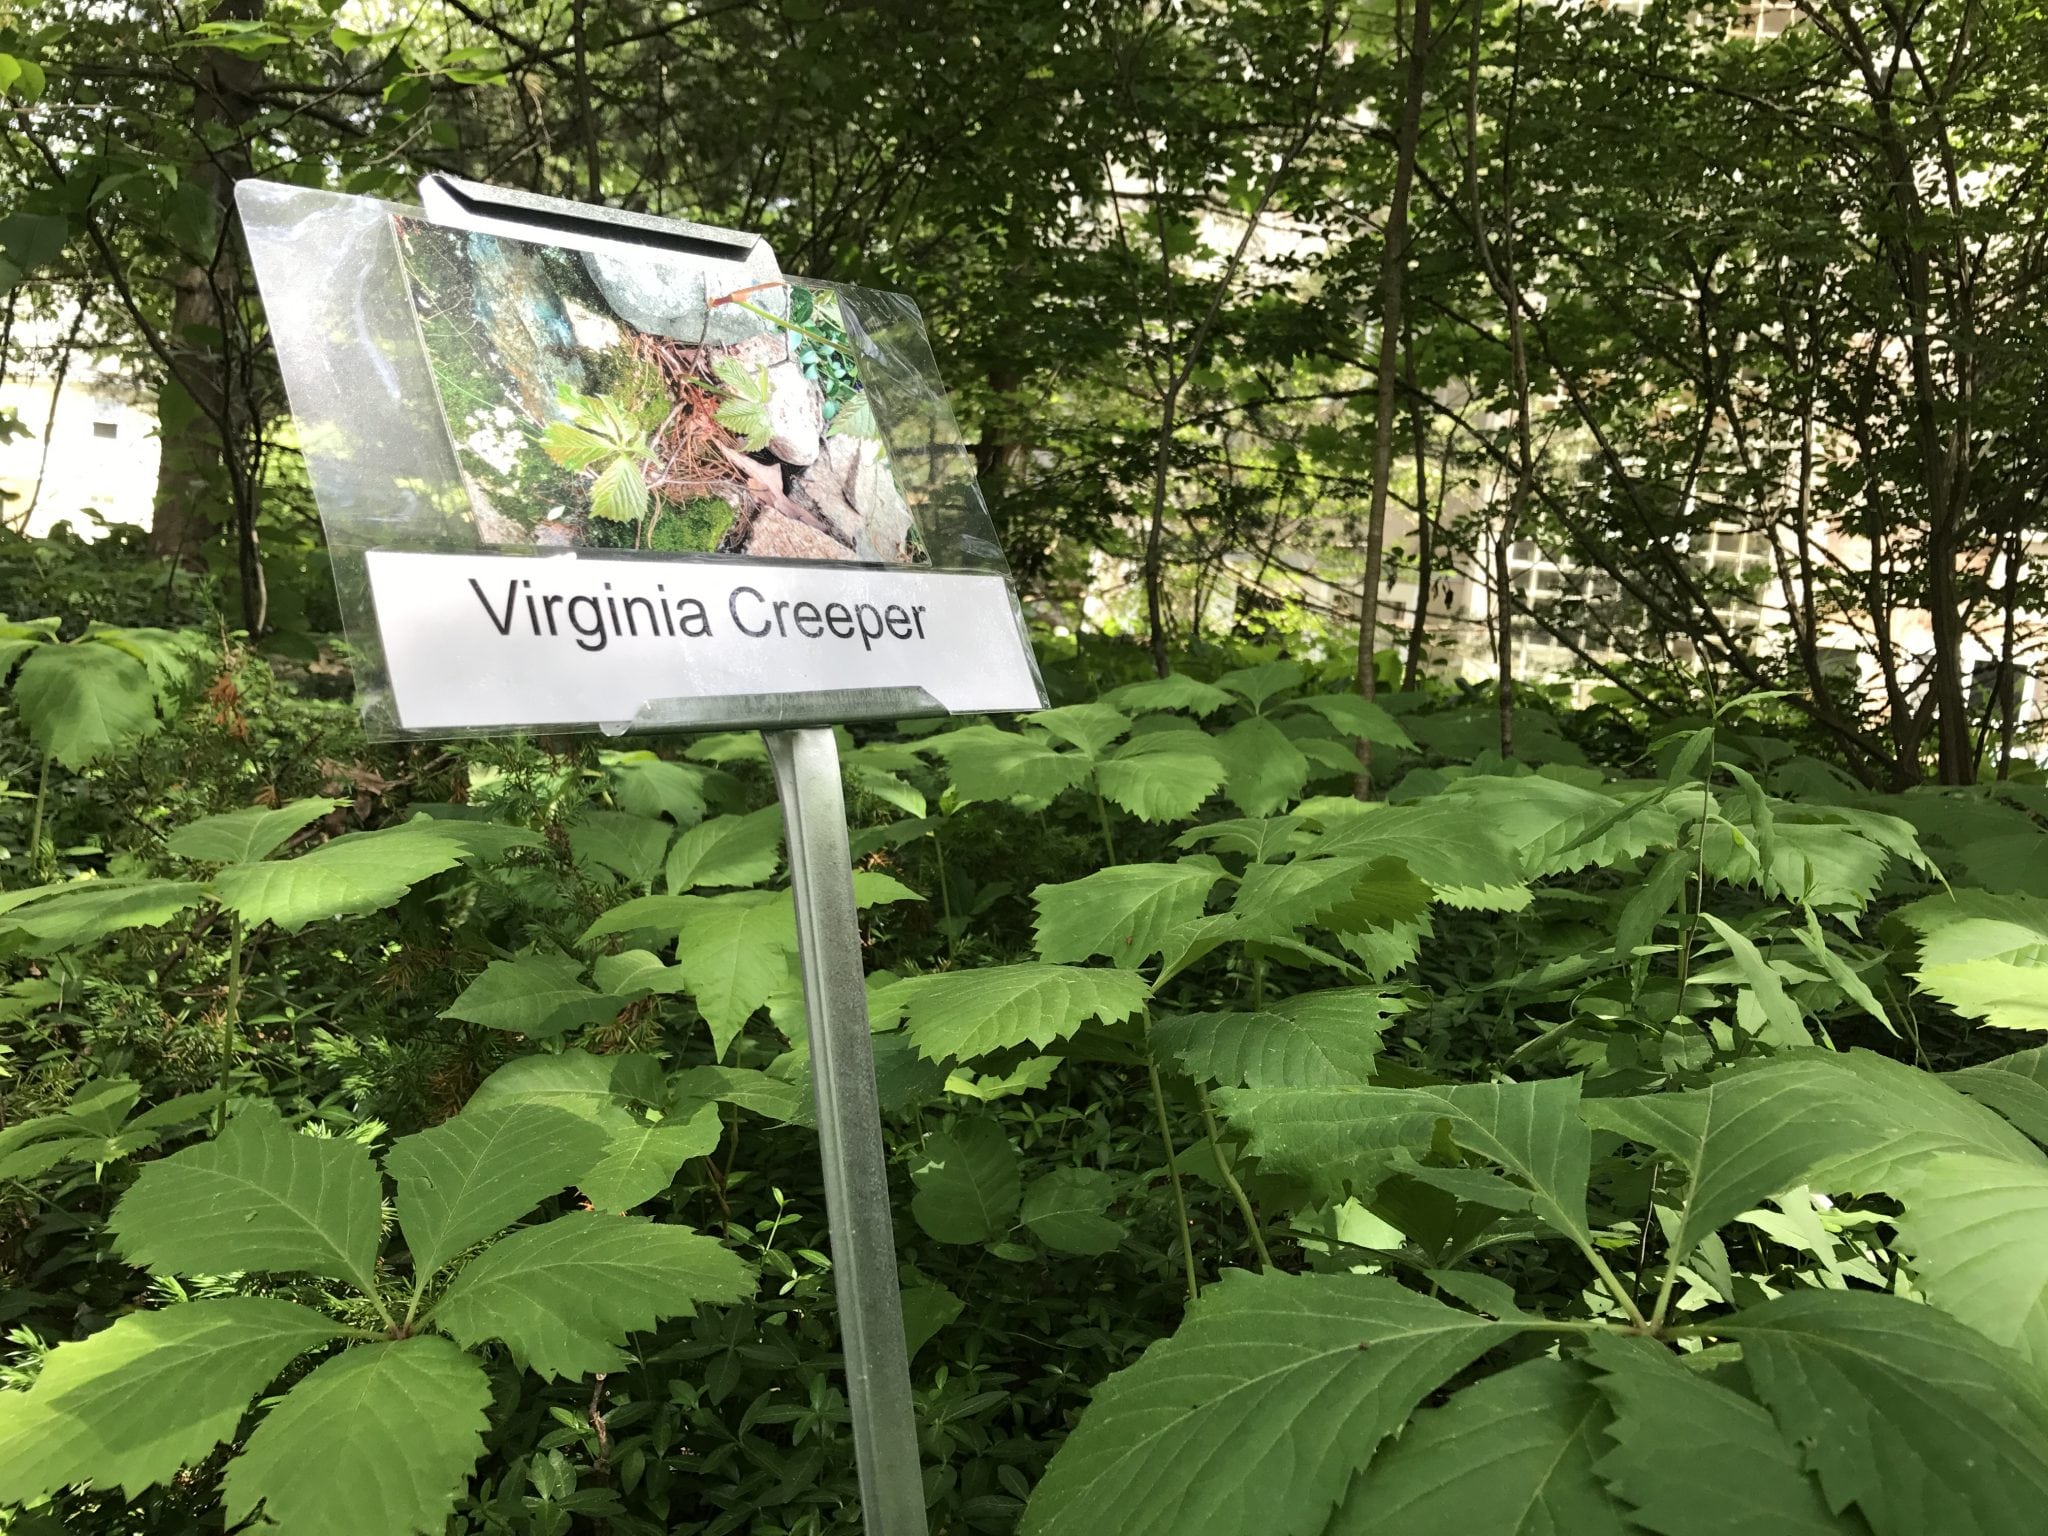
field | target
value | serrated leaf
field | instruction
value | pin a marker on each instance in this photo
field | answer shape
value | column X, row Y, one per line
column 2016, row 1086
column 1693, row 1458
column 57, row 917
column 648, row 785
column 1921, row 1422
column 1273, row 1050
column 153, row 1393
column 361, row 872
column 564, row 1295
column 1266, row 770
column 619, row 494
column 584, row 1085
column 968, row 1184
column 1090, row 727
column 1355, row 716
column 1977, row 1228
column 734, row 951
column 1510, row 1456
column 84, row 701
column 989, row 764
column 628, row 845
column 1064, row 1210
column 243, row 837
column 1255, row 685
column 1532, row 1131
column 1257, row 1412
column 1457, row 855
column 1124, row 912
column 257, row 1197
column 1557, row 827
column 959, row 1015
column 415, row 1421
column 727, row 850
column 1985, row 956
column 536, row 995
column 748, row 1087
column 1175, row 691
column 476, row 1174
column 1162, row 776
column 872, row 888
column 638, row 1164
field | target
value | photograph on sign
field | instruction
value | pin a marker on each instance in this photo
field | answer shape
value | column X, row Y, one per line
column 583, row 414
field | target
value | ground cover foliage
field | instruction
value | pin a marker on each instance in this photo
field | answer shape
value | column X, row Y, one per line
column 1643, row 1134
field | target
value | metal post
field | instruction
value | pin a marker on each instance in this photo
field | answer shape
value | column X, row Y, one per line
column 849, row 1131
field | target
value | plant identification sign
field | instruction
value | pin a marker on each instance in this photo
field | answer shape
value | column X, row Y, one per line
column 475, row 640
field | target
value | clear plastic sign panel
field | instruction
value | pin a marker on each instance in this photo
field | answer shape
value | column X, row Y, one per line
column 585, row 470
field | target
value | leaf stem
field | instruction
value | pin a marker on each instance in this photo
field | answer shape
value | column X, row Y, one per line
column 1102, row 814
column 230, row 1018
column 1615, row 1288
column 788, row 325
column 1244, row 1201
column 1180, row 1203
column 36, row 867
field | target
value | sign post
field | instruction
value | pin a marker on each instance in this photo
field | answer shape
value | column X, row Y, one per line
column 589, row 470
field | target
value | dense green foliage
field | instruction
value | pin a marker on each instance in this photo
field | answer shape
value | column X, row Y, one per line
column 1638, row 1136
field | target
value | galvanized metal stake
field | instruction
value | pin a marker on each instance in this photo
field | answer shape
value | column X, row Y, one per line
column 849, row 1131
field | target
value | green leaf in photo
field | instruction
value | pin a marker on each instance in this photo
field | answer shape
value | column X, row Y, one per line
column 968, row 1183
column 540, row 996
column 1065, row 1211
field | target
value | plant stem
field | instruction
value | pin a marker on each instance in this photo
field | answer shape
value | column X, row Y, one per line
column 1258, row 986
column 1102, row 814
column 788, row 325
column 1244, row 1201
column 1616, row 1288
column 945, row 895
column 35, row 831
column 1180, row 1203
column 230, row 1018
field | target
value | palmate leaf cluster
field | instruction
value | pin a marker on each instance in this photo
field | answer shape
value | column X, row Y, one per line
column 1542, row 1146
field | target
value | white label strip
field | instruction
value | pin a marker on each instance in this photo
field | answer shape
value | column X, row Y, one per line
column 568, row 639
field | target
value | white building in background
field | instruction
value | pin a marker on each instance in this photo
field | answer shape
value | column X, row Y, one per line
column 87, row 450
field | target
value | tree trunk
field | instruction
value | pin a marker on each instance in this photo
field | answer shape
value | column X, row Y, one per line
column 1393, row 272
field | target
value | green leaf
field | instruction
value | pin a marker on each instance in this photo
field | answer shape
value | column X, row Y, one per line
column 475, row 1175
column 589, row 1087
column 1463, row 860
column 1255, row 685
column 1091, row 727
column 1355, row 716
column 619, row 494
column 564, row 1295
column 1851, row 1121
column 727, row 850
column 872, row 888
column 968, row 1184
column 1693, row 1458
column 1985, row 956
column 650, row 786
column 1786, row 1025
column 1276, row 1050
column 1257, row 1413
column 990, row 764
column 1558, row 827
column 1530, row 1130
column 1266, row 770
column 243, row 837
column 734, row 951
column 1162, row 776
column 2016, row 1086
column 630, row 846
column 958, row 1015
column 153, row 1393
column 84, row 701
column 1921, row 1422
column 1176, row 691
column 1977, row 1228
column 57, row 917
column 414, row 1412
column 1124, row 912
column 640, row 1163
column 1064, row 1210
column 748, row 1087
column 536, row 995
column 361, row 872
column 1511, row 1456
column 258, row 1197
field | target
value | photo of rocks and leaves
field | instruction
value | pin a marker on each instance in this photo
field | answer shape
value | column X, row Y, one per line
column 573, row 425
